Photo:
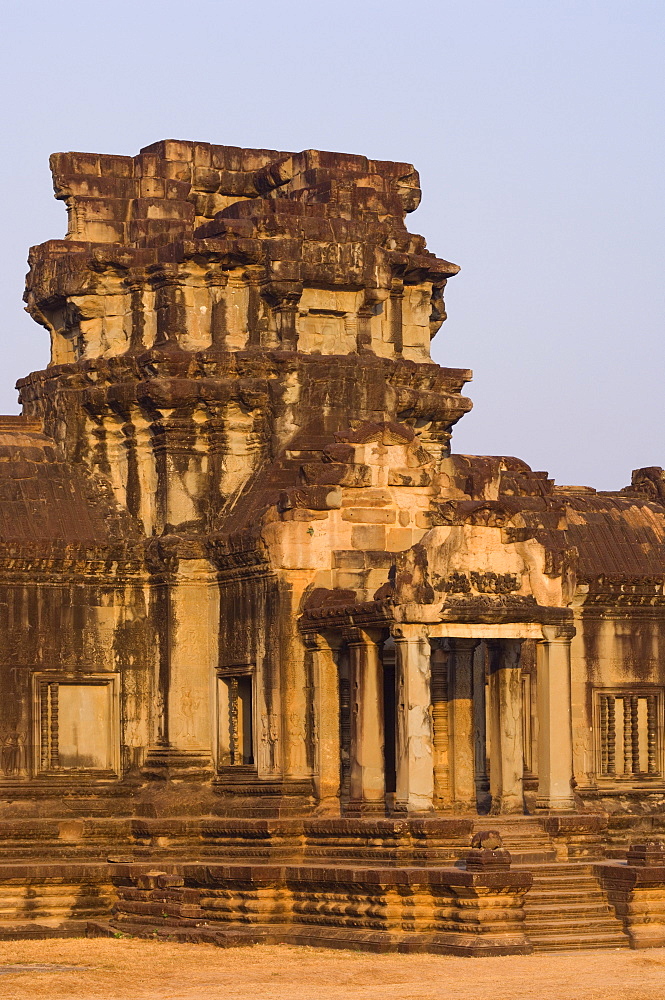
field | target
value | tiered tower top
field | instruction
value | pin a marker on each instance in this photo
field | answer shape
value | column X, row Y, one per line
column 214, row 247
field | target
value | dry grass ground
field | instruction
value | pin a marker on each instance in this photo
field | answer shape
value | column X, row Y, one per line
column 145, row 970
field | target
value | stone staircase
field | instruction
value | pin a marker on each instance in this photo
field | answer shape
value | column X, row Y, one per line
column 523, row 836
column 566, row 910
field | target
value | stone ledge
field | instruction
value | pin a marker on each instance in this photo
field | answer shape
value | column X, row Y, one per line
column 471, row 946
column 444, row 910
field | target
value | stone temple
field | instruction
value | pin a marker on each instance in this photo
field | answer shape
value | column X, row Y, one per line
column 267, row 642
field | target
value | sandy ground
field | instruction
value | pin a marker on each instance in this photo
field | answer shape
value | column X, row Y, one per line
column 137, row 970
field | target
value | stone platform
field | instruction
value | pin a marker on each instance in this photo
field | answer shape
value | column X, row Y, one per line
column 383, row 883
column 441, row 910
column 53, row 900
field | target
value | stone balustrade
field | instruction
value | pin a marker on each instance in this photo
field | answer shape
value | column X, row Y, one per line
column 636, row 889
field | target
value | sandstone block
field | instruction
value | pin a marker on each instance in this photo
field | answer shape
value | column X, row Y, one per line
column 303, row 514
column 116, row 166
column 372, row 497
column 104, row 209
column 178, row 170
column 207, row 179
column 226, row 157
column 368, row 536
column 349, row 580
column 170, row 149
column 399, row 539
column 152, row 187
column 348, row 559
column 368, row 515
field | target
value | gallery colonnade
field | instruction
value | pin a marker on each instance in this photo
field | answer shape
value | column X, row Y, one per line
column 413, row 718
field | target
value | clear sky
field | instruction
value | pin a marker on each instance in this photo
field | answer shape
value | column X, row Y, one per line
column 537, row 128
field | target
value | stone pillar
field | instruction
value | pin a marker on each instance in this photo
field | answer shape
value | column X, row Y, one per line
column 506, row 751
column 187, row 611
column 480, row 730
column 367, row 785
column 555, row 736
column 441, row 725
column 195, row 624
column 327, row 723
column 415, row 770
column 461, row 718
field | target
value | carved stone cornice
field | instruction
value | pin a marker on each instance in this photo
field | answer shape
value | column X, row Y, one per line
column 164, row 553
column 491, row 609
column 371, row 614
column 58, row 564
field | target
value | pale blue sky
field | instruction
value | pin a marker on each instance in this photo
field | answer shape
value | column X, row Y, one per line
column 538, row 130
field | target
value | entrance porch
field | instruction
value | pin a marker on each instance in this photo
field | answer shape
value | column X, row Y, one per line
column 443, row 717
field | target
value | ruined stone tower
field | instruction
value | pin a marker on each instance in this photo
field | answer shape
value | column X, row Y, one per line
column 240, row 350
column 241, row 572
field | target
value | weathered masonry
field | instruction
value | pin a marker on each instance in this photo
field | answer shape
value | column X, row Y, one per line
column 243, row 577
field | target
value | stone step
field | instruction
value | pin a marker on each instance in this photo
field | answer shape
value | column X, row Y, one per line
column 559, row 896
column 536, row 908
column 577, row 942
column 589, row 933
column 565, row 896
column 562, row 922
column 600, row 925
column 565, row 867
column 537, row 853
column 587, row 884
column 527, row 859
column 514, row 841
column 507, row 819
column 562, row 871
column 564, row 876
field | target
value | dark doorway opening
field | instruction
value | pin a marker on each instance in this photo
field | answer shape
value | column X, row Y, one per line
column 389, row 723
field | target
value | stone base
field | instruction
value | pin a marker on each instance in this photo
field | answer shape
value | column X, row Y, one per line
column 441, row 910
column 240, row 792
column 166, row 763
column 637, row 894
column 52, row 900
column 354, row 939
column 155, row 833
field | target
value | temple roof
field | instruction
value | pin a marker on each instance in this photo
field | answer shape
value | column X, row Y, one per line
column 616, row 536
column 44, row 500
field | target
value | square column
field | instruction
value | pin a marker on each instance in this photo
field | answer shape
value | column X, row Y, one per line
column 461, row 718
column 367, row 783
column 506, row 750
column 441, row 743
column 187, row 618
column 480, row 730
column 415, row 767
column 555, row 734
column 327, row 748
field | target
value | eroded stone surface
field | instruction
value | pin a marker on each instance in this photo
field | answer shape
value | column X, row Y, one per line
column 243, row 574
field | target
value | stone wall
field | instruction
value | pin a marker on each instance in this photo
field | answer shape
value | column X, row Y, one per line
column 241, row 570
